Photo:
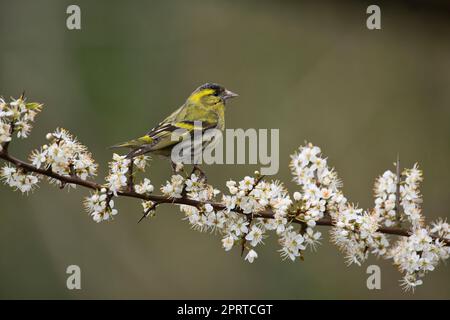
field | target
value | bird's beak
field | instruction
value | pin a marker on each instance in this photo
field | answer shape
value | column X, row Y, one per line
column 229, row 94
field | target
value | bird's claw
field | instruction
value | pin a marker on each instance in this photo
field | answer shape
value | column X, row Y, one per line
column 201, row 175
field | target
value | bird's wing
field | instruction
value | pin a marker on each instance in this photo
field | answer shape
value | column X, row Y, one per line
column 163, row 136
column 189, row 111
column 185, row 118
column 147, row 138
column 174, row 116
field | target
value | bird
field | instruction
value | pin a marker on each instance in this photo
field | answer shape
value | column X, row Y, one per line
column 205, row 105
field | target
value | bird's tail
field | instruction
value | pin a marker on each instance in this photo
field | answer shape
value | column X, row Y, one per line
column 136, row 143
column 128, row 144
column 137, row 152
column 138, row 146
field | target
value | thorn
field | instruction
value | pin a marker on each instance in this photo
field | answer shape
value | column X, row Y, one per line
column 243, row 246
column 142, row 218
column 147, row 212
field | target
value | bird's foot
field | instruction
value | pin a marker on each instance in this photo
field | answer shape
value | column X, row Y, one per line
column 201, row 173
column 177, row 167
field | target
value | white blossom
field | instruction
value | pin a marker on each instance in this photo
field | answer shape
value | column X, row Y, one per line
column 18, row 179
column 411, row 198
column 312, row 238
column 16, row 117
column 255, row 236
column 238, row 226
column 149, row 207
column 117, row 178
column 228, row 242
column 141, row 161
column 198, row 189
column 441, row 228
column 231, row 185
column 218, row 221
column 416, row 255
column 144, row 187
column 355, row 233
column 65, row 156
column 229, row 202
column 248, row 204
column 208, row 208
column 174, row 188
column 278, row 223
column 251, row 256
column 385, row 198
column 5, row 133
column 319, row 190
column 292, row 244
column 100, row 205
column 246, row 184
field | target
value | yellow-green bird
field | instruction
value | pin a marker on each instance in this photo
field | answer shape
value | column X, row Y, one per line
column 205, row 104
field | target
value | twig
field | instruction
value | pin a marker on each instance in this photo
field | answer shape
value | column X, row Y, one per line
column 397, row 191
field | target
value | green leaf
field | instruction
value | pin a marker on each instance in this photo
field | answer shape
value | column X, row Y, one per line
column 34, row 106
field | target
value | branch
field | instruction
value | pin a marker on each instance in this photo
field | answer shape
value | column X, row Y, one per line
column 159, row 199
column 319, row 201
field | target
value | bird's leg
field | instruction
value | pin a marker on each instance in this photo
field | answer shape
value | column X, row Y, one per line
column 130, row 182
column 174, row 167
column 202, row 174
column 183, row 193
column 177, row 167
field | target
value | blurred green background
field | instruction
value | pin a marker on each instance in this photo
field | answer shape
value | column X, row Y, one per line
column 311, row 69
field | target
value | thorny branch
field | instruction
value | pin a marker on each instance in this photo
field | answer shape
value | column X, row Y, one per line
column 159, row 199
column 252, row 206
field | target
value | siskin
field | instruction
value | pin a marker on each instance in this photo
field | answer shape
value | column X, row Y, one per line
column 205, row 105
